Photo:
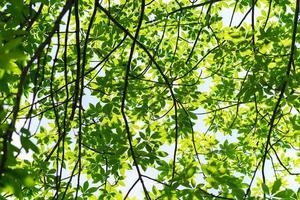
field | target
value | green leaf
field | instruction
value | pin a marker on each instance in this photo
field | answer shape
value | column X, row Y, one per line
column 276, row 186
column 27, row 144
column 288, row 194
column 85, row 185
column 92, row 190
column 29, row 181
column 265, row 188
column 190, row 172
column 25, row 131
column 107, row 108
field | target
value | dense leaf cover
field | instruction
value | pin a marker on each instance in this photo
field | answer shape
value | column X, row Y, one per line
column 178, row 99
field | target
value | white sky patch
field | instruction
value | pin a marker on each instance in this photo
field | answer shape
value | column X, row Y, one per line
column 151, row 17
column 166, row 1
column 137, row 191
column 205, row 87
column 87, row 99
column 226, row 14
column 231, row 138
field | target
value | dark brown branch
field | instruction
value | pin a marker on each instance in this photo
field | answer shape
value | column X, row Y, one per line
column 283, row 88
column 125, row 90
column 281, row 163
column 7, row 136
column 166, row 79
column 233, row 12
column 186, row 8
column 247, row 13
column 131, row 188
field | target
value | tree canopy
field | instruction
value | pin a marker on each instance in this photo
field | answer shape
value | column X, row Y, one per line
column 157, row 99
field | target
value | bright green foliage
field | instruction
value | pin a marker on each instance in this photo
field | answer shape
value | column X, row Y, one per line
column 155, row 99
